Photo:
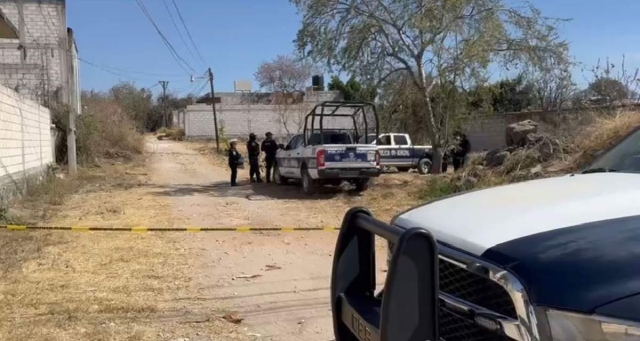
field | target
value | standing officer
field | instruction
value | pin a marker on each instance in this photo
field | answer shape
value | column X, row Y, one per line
column 270, row 148
column 253, row 149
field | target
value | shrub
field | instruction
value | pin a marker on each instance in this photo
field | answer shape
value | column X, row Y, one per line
column 102, row 131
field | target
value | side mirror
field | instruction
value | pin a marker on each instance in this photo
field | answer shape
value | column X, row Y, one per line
column 280, row 146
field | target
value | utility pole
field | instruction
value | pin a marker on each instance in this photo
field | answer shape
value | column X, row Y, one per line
column 71, row 143
column 213, row 105
column 164, row 85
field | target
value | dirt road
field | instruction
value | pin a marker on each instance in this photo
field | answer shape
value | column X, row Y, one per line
column 178, row 286
column 288, row 296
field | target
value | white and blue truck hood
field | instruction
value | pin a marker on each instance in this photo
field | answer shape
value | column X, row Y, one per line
column 573, row 241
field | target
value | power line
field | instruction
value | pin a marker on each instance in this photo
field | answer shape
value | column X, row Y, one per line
column 172, row 50
column 204, row 85
column 128, row 71
column 177, row 29
column 187, row 30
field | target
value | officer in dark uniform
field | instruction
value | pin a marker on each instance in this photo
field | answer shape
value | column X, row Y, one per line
column 269, row 148
column 253, row 149
column 460, row 154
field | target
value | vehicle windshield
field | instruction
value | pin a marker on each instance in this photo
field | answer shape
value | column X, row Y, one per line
column 624, row 157
column 330, row 137
column 368, row 139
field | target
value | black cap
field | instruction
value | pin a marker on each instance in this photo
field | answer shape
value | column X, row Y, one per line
column 268, row 134
column 252, row 135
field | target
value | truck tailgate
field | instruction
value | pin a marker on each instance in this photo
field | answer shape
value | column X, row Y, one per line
column 350, row 156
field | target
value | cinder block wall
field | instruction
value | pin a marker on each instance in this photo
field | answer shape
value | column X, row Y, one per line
column 240, row 120
column 25, row 140
column 34, row 65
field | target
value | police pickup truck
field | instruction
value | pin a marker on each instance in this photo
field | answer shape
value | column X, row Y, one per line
column 554, row 259
column 322, row 156
column 397, row 151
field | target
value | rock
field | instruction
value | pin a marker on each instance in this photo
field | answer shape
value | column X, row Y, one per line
column 488, row 157
column 536, row 171
column 497, row 159
column 516, row 133
column 233, row 318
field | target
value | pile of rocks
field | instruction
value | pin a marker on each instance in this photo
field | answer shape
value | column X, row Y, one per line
column 524, row 137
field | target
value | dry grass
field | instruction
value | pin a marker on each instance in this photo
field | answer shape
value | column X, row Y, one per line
column 104, row 130
column 102, row 286
column 99, row 286
column 107, row 191
column 581, row 139
column 601, row 135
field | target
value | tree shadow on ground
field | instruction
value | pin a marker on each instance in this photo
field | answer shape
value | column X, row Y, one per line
column 250, row 191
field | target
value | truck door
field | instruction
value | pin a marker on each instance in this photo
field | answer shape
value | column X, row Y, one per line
column 287, row 162
column 385, row 148
column 404, row 155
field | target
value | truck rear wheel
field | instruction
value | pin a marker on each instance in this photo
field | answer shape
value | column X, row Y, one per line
column 424, row 166
column 309, row 186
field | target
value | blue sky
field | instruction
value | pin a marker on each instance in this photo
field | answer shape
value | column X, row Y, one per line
column 235, row 36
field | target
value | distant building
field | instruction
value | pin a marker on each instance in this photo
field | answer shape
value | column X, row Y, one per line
column 38, row 54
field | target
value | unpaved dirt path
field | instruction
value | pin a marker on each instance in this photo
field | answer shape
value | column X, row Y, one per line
column 288, row 299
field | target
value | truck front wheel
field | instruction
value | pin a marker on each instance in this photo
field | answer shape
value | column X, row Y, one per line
column 424, row 166
column 362, row 185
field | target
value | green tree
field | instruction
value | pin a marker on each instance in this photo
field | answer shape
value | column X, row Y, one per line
column 449, row 43
column 353, row 90
column 511, row 95
column 609, row 88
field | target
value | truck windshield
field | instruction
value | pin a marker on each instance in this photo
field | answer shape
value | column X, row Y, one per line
column 329, row 137
column 368, row 139
column 624, row 157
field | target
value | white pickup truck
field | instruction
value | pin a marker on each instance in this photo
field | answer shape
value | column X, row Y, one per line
column 396, row 150
column 321, row 156
column 553, row 259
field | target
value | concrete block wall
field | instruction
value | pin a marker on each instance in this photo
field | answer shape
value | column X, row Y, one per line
column 488, row 132
column 239, row 98
column 240, row 120
column 35, row 65
column 26, row 145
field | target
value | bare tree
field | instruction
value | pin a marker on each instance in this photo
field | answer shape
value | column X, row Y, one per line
column 614, row 85
column 553, row 86
column 286, row 78
column 450, row 43
column 284, row 74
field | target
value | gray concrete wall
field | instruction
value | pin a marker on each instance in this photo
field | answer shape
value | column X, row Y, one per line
column 37, row 64
column 26, row 145
column 488, row 132
column 238, row 121
column 239, row 98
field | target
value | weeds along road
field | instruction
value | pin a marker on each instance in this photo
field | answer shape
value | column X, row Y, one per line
column 176, row 286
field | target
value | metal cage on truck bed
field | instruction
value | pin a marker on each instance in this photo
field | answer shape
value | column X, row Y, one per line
column 332, row 109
